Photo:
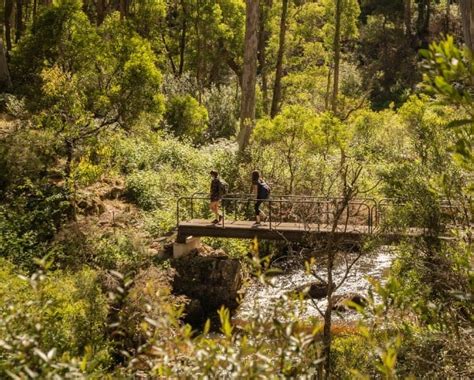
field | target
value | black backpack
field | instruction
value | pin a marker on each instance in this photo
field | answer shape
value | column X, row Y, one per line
column 264, row 191
column 223, row 187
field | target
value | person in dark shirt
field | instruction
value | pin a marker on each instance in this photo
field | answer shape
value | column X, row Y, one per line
column 216, row 196
column 262, row 192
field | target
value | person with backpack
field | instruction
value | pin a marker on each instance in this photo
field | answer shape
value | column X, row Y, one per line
column 218, row 189
column 262, row 192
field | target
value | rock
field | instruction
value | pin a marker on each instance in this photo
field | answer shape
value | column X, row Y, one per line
column 213, row 281
column 316, row 290
column 91, row 206
column 340, row 302
column 115, row 192
column 194, row 312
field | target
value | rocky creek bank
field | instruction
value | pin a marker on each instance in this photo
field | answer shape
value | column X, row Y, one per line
column 209, row 279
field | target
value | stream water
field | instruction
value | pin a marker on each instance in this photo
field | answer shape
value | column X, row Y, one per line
column 263, row 298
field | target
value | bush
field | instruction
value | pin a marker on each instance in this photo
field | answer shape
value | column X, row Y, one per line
column 187, row 118
column 45, row 321
column 223, row 108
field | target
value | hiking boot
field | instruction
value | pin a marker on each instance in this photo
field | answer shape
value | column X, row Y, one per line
column 215, row 221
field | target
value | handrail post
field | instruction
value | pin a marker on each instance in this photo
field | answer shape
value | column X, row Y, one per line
column 223, row 216
column 177, row 212
column 270, row 212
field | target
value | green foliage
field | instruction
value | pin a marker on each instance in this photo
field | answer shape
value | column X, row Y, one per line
column 187, row 118
column 448, row 74
column 233, row 247
column 46, row 322
column 30, row 222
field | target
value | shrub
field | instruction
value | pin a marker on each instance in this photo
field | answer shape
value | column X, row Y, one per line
column 46, row 321
column 186, row 117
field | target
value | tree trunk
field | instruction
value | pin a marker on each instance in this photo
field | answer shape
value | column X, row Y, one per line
column 264, row 35
column 122, row 7
column 337, row 55
column 8, row 25
column 249, row 74
column 100, row 11
column 182, row 41
column 467, row 13
column 423, row 21
column 5, row 82
column 35, row 8
column 327, row 338
column 279, row 65
column 407, row 17
column 19, row 20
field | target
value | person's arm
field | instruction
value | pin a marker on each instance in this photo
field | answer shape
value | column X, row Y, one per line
column 254, row 190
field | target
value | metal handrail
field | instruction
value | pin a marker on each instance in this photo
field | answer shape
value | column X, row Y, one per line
column 271, row 201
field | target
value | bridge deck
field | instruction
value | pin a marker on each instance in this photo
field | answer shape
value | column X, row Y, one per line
column 283, row 231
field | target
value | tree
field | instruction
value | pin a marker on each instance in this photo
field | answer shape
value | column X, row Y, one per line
column 249, row 74
column 467, row 12
column 19, row 20
column 8, row 11
column 5, row 82
column 337, row 55
column 279, row 65
column 264, row 35
column 79, row 97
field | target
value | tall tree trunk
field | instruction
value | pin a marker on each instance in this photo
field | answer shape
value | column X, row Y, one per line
column 328, row 90
column 264, row 35
column 122, row 7
column 407, row 16
column 182, row 41
column 8, row 26
column 100, row 11
column 35, row 8
column 249, row 74
column 337, row 55
column 423, row 21
column 5, row 82
column 279, row 64
column 19, row 20
column 467, row 13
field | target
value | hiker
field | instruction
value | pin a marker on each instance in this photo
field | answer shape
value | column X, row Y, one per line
column 262, row 192
column 218, row 189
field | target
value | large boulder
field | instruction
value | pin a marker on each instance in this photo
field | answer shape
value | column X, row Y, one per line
column 315, row 290
column 213, row 281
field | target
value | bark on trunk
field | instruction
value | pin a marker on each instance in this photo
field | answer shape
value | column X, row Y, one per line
column 279, row 65
column 264, row 35
column 467, row 13
column 19, row 20
column 423, row 21
column 182, row 41
column 8, row 25
column 249, row 74
column 100, row 11
column 5, row 82
column 337, row 55
column 407, row 17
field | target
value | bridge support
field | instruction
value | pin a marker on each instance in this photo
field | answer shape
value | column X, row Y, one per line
column 185, row 248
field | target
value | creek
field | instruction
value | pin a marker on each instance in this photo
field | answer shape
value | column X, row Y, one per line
column 262, row 298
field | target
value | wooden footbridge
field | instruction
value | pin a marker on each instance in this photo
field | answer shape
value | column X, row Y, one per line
column 295, row 219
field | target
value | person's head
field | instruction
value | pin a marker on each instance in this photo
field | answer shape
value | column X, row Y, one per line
column 214, row 173
column 255, row 176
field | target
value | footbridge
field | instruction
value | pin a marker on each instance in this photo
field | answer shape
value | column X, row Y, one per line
column 298, row 219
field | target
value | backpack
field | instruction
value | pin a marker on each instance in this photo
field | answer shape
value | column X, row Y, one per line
column 223, row 187
column 264, row 190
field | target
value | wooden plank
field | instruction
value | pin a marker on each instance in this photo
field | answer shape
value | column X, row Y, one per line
column 296, row 232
